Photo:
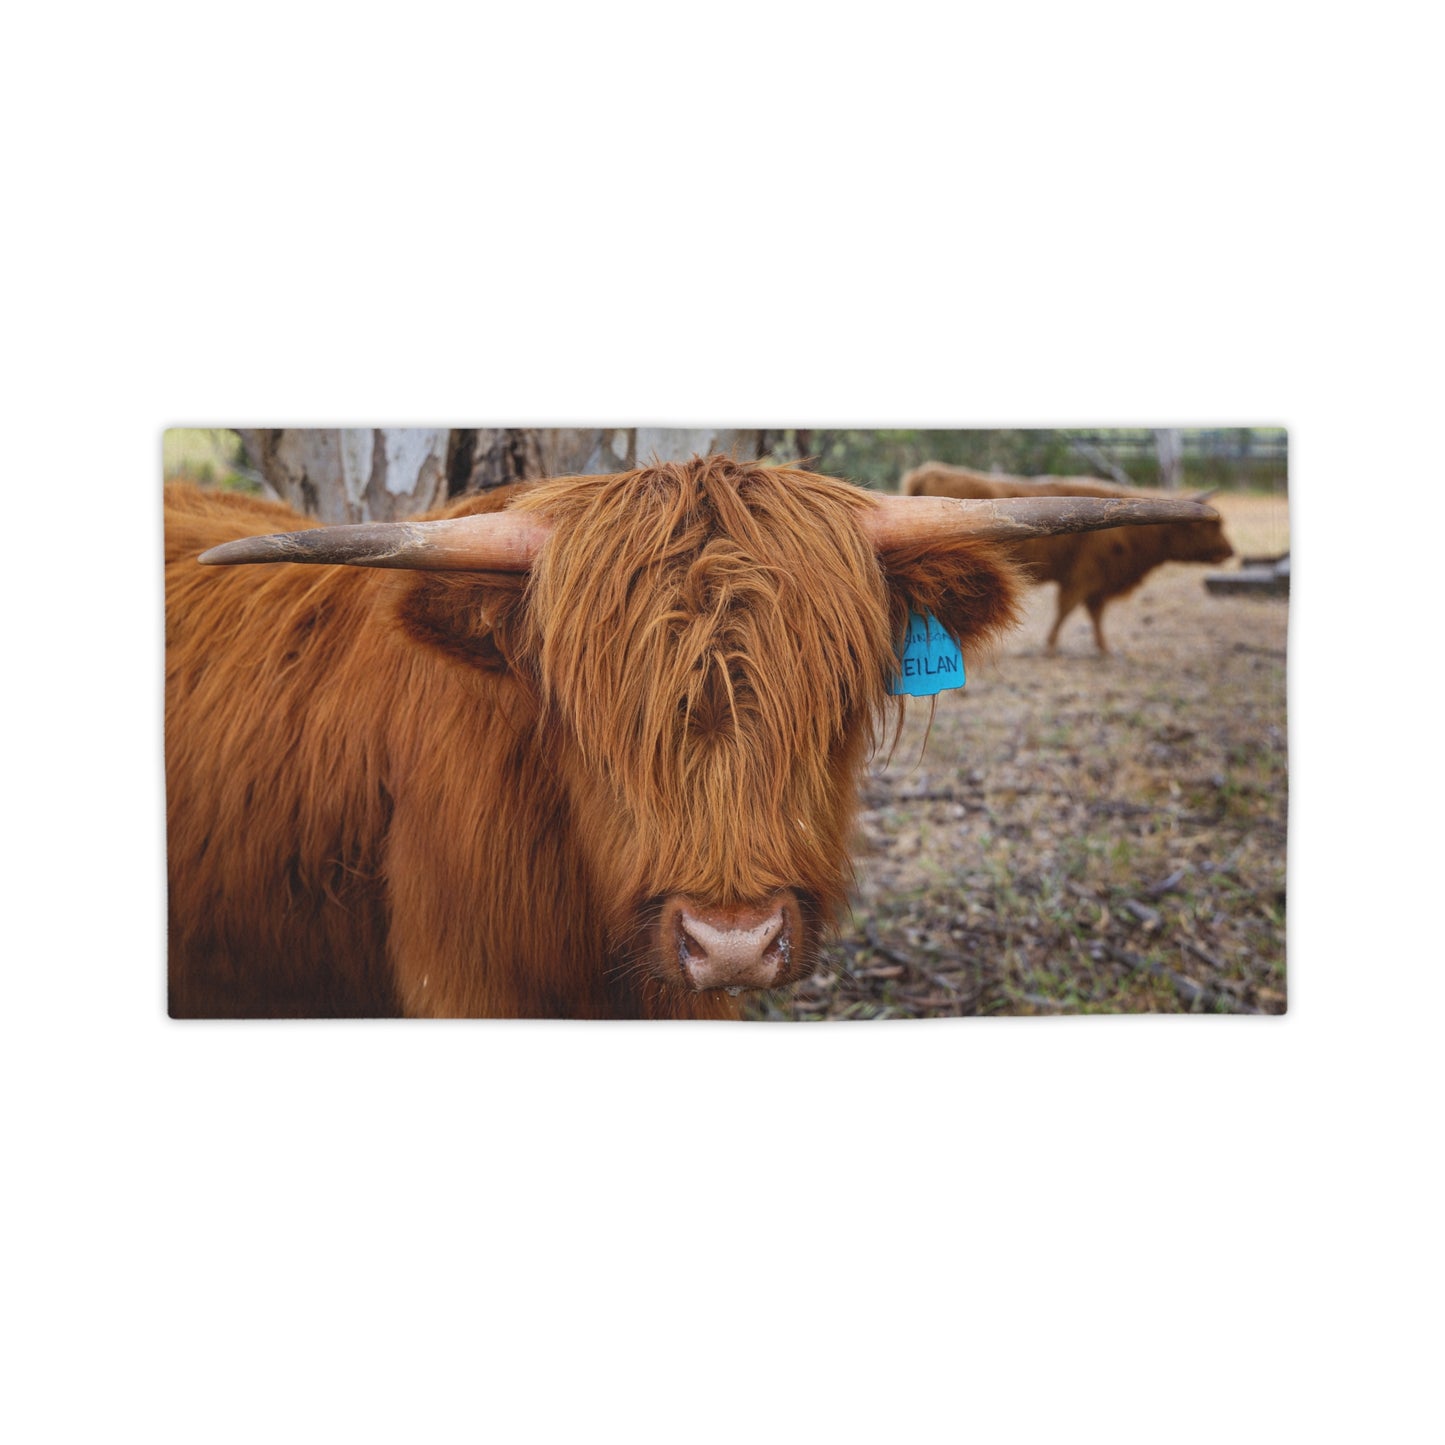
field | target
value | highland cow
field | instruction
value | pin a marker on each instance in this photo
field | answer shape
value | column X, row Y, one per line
column 1092, row 568
column 589, row 748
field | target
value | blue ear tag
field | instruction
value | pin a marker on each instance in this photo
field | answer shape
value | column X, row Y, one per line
column 931, row 661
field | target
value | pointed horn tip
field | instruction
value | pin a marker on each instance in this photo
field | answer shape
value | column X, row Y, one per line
column 493, row 541
column 1010, row 519
column 273, row 547
column 1202, row 511
column 1190, row 511
column 277, row 547
column 222, row 555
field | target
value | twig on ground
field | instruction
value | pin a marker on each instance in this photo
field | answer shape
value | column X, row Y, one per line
column 1149, row 917
column 1166, row 885
column 1204, row 955
column 1040, row 1001
column 870, row 932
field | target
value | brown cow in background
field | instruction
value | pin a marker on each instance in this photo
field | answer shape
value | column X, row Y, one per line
column 1094, row 567
column 593, row 753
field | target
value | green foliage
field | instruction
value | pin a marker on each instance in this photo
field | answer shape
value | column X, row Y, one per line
column 1246, row 458
column 211, row 456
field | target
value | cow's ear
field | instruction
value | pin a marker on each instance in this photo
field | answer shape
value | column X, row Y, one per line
column 971, row 587
column 471, row 616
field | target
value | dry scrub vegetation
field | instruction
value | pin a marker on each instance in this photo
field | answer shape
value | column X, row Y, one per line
column 1083, row 834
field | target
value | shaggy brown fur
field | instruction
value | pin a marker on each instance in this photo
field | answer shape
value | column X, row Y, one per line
column 1090, row 567
column 468, row 794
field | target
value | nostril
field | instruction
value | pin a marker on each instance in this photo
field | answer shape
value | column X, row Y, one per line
column 688, row 942
column 687, row 946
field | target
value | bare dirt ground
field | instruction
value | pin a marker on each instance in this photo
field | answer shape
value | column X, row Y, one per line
column 1084, row 834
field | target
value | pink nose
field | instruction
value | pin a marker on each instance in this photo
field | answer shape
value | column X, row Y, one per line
column 742, row 947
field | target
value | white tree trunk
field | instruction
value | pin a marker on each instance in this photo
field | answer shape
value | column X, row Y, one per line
column 1169, row 443
column 353, row 474
column 383, row 474
column 568, row 450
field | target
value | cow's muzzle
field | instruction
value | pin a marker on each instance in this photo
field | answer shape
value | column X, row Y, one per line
column 745, row 946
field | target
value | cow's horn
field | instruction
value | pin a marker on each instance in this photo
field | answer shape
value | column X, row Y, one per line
column 1204, row 496
column 900, row 520
column 490, row 542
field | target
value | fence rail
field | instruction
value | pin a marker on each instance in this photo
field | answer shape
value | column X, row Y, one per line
column 1234, row 443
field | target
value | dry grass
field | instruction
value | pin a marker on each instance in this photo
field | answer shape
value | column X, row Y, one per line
column 1084, row 834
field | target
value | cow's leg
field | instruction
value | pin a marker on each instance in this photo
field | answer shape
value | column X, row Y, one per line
column 1096, row 616
column 1067, row 602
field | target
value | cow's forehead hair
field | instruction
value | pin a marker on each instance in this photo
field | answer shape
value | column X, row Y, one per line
column 708, row 618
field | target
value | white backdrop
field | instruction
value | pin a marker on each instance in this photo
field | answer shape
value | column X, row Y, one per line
column 1118, row 1229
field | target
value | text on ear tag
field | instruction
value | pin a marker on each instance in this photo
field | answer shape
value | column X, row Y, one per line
column 931, row 661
